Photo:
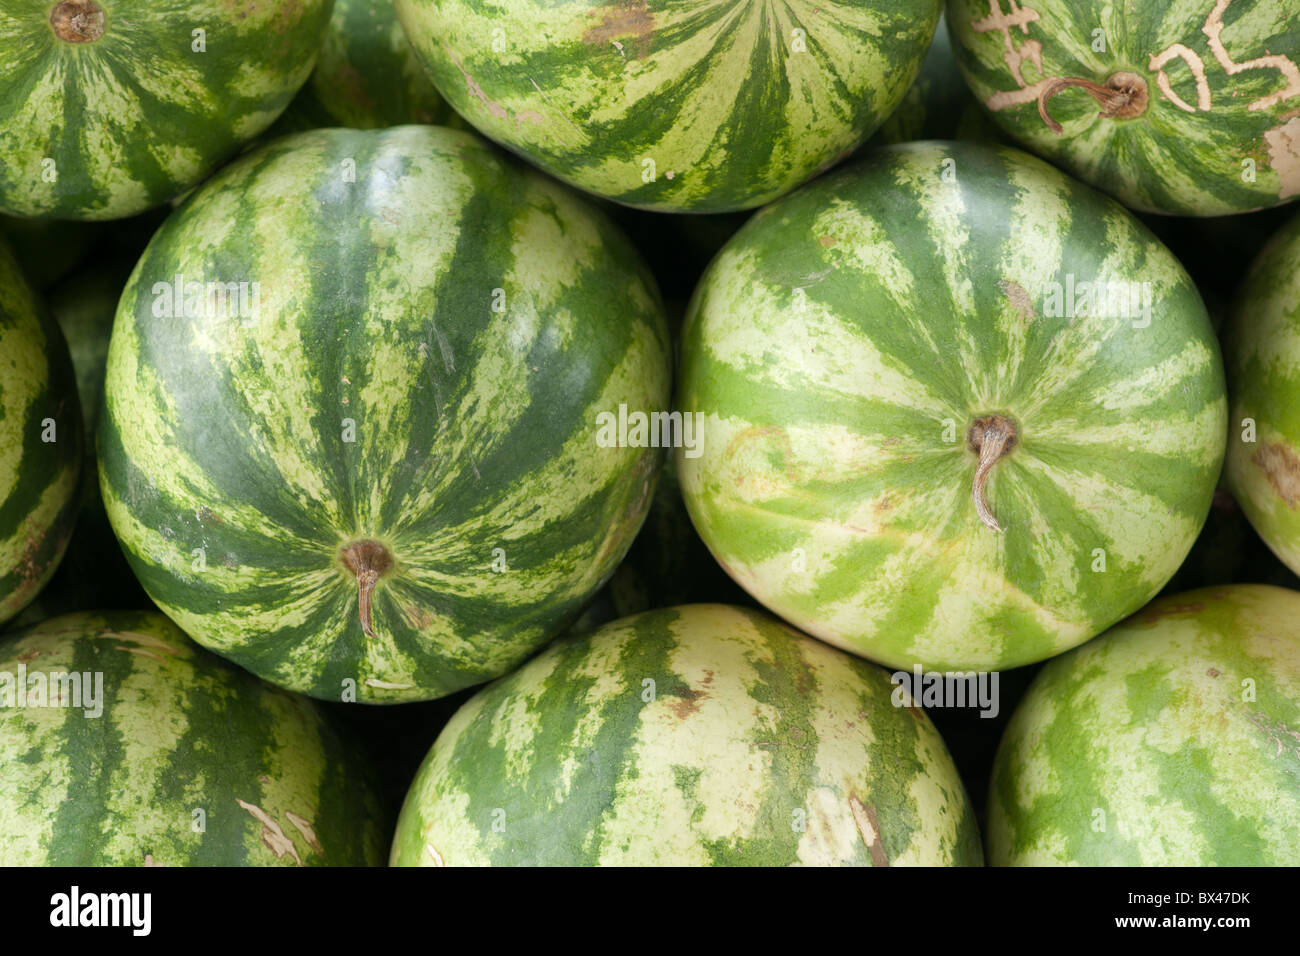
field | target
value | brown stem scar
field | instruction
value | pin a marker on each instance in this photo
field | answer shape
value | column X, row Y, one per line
column 991, row 438
column 77, row 21
column 367, row 560
column 1122, row 96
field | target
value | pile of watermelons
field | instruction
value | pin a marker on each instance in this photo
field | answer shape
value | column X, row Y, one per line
column 697, row 421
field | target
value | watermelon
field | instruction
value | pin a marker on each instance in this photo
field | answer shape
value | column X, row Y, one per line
column 109, row 107
column 93, row 574
column 1262, row 344
column 40, row 441
column 152, row 752
column 366, row 76
column 1174, row 740
column 701, row 735
column 674, row 106
column 956, row 409
column 1188, row 107
column 379, row 475
column 938, row 104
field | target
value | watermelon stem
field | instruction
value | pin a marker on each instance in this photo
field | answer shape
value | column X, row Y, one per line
column 1123, row 96
column 77, row 21
column 991, row 438
column 367, row 560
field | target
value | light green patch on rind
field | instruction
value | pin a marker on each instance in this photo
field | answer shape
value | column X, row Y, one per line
column 106, row 129
column 701, row 735
column 437, row 332
column 706, row 107
column 1262, row 346
column 1173, row 740
column 839, row 349
column 161, row 754
column 1221, row 136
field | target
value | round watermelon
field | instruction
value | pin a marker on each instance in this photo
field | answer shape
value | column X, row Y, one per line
column 93, row 574
column 353, row 436
column 955, row 409
column 1174, row 740
column 108, row 107
column 1262, row 343
column 938, row 104
column 674, row 106
column 366, row 76
column 701, row 735
column 40, row 441
column 1188, row 107
column 123, row 744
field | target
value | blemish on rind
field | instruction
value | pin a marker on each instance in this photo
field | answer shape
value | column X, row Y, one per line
column 1153, row 614
column 476, row 91
column 148, row 640
column 630, row 18
column 1283, row 143
column 1157, row 65
column 869, row 826
column 687, row 702
column 434, row 855
column 272, row 836
column 1282, row 468
column 1019, row 298
column 141, row 651
column 1290, row 72
column 303, row 826
column 386, row 685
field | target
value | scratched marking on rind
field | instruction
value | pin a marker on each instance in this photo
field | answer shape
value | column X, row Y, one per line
column 1031, row 50
column 272, row 835
column 869, row 827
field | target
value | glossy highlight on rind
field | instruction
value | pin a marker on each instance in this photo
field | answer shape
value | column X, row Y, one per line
column 435, row 332
column 40, row 441
column 699, row 735
column 107, row 128
column 1173, row 740
column 160, row 754
column 840, row 349
column 703, row 107
column 1212, row 127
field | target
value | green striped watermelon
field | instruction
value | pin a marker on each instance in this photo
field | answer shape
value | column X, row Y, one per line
column 696, row 735
column 108, row 107
column 40, row 441
column 141, row 749
column 93, row 574
column 923, row 438
column 1174, row 740
column 366, row 76
column 1190, row 107
column 938, row 104
column 706, row 107
column 1263, row 349
column 384, row 477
